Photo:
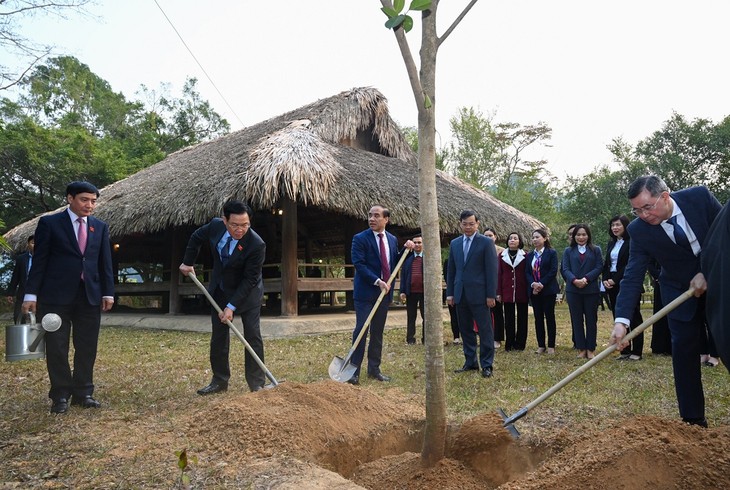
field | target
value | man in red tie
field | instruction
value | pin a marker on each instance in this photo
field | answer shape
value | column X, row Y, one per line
column 374, row 255
column 411, row 289
column 72, row 277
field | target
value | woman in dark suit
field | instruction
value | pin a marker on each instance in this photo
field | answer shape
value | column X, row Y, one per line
column 541, row 270
column 617, row 256
column 581, row 266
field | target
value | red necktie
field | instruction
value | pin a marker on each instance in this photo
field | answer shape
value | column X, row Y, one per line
column 384, row 267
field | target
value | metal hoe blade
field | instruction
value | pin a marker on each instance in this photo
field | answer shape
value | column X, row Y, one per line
column 508, row 424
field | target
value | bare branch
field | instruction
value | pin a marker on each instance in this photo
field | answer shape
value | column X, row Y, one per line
column 456, row 22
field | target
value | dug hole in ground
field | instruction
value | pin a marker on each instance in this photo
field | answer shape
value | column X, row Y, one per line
column 332, row 435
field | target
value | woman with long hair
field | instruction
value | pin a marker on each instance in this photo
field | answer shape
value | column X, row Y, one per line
column 582, row 265
column 541, row 271
column 512, row 292
column 617, row 256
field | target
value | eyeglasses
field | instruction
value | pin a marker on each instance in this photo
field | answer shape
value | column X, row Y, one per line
column 236, row 226
column 645, row 209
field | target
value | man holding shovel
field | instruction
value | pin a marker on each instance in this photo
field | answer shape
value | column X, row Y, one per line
column 374, row 255
column 671, row 229
column 236, row 286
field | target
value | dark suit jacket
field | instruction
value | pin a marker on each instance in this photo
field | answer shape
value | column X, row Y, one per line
column 623, row 259
column 241, row 277
column 16, row 287
column 366, row 259
column 58, row 262
column 590, row 268
column 405, row 274
column 716, row 264
column 474, row 280
column 548, row 271
column 678, row 265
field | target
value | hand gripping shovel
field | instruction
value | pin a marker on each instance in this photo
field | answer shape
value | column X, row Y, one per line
column 509, row 421
column 341, row 369
column 235, row 330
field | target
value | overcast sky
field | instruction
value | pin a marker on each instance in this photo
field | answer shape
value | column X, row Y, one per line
column 591, row 70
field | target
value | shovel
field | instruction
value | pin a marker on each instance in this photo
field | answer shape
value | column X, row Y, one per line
column 50, row 323
column 509, row 421
column 235, row 330
column 342, row 369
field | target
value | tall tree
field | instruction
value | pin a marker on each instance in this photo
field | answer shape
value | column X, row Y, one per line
column 13, row 13
column 423, row 86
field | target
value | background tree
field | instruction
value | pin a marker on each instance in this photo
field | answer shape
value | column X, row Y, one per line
column 423, row 86
column 68, row 124
column 13, row 13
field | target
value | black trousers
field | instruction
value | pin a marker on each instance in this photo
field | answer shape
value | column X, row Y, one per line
column 84, row 319
column 543, row 307
column 515, row 334
column 636, row 346
column 220, row 341
column 414, row 303
column 454, row 322
column 498, row 321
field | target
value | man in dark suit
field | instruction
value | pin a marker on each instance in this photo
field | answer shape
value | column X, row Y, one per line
column 236, row 285
column 471, row 285
column 411, row 290
column 716, row 265
column 374, row 255
column 72, row 277
column 672, row 229
column 16, row 288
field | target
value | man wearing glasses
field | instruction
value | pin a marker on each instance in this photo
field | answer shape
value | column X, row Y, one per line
column 671, row 229
column 236, row 285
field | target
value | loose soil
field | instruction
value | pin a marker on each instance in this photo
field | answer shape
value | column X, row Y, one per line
column 328, row 435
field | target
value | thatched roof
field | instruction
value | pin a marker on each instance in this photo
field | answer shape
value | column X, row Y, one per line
column 300, row 155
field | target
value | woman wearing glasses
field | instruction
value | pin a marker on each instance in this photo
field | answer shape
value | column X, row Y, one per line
column 581, row 266
column 617, row 256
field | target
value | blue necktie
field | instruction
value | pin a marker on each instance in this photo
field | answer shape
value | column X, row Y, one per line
column 467, row 242
column 226, row 251
column 680, row 237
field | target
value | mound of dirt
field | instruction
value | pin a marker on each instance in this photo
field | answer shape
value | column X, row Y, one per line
column 333, row 424
column 642, row 452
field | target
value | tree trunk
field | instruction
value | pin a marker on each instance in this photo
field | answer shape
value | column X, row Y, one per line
column 434, row 441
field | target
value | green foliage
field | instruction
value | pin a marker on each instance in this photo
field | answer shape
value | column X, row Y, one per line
column 683, row 153
column 489, row 156
column 411, row 135
column 183, row 462
column 398, row 19
column 69, row 124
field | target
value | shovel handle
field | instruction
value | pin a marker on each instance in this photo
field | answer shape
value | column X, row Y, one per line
column 605, row 353
column 366, row 325
column 235, row 330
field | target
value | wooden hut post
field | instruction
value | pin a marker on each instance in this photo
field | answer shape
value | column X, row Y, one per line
column 175, row 261
column 289, row 292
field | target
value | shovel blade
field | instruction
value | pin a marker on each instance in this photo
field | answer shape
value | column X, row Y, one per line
column 340, row 370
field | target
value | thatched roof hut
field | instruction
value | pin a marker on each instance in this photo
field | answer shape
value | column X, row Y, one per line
column 333, row 159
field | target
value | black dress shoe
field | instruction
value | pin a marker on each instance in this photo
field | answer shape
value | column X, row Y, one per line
column 85, row 401
column 213, row 388
column 355, row 380
column 701, row 422
column 464, row 369
column 487, row 372
column 379, row 377
column 59, row 406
